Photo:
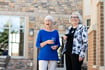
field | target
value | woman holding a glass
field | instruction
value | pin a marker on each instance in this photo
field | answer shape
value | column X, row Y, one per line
column 48, row 43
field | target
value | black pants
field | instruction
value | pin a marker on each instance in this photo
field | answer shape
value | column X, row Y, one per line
column 72, row 62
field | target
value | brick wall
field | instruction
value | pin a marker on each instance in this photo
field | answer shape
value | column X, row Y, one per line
column 42, row 6
column 19, row 64
column 92, row 50
column 100, row 34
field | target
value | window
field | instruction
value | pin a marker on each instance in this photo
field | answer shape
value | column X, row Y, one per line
column 88, row 23
column 12, row 35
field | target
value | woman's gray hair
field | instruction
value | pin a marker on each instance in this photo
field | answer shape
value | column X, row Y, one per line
column 50, row 18
column 79, row 17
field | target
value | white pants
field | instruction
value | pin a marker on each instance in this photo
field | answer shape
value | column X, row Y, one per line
column 50, row 64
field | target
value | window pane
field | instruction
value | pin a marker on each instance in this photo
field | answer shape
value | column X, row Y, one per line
column 4, row 21
column 15, row 22
column 4, row 41
column 22, row 22
column 21, row 45
column 88, row 22
column 16, row 42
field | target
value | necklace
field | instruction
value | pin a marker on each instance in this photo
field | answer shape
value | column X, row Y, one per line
column 72, row 31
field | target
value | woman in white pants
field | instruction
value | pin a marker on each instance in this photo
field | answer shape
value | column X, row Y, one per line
column 48, row 43
column 44, row 64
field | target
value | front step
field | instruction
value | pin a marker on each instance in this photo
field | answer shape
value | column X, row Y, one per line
column 2, row 68
column 4, row 62
column 2, row 59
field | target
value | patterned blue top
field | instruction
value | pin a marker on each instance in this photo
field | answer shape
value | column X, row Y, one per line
column 80, row 40
column 46, row 53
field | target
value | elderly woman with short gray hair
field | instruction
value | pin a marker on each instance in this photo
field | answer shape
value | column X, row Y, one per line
column 48, row 43
column 76, row 44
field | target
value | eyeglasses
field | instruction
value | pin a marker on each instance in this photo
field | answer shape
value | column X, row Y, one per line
column 74, row 17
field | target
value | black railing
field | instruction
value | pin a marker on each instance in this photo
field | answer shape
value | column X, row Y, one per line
column 61, row 57
column 7, row 61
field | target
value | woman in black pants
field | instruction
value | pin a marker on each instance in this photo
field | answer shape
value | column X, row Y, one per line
column 76, row 43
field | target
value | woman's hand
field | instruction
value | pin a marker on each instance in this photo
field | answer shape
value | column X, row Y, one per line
column 54, row 47
column 46, row 42
column 81, row 58
column 50, row 42
column 65, row 37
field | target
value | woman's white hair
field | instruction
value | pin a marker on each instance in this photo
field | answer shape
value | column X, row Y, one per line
column 79, row 17
column 50, row 18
